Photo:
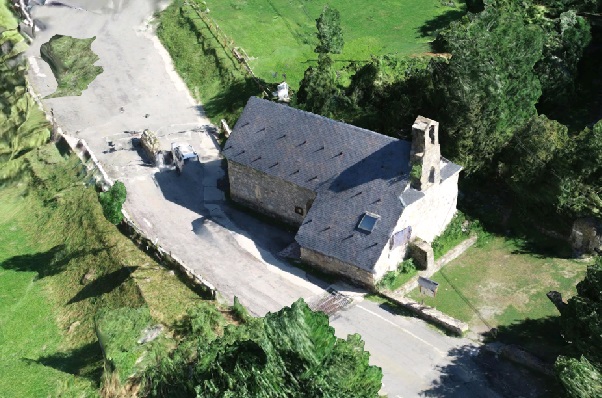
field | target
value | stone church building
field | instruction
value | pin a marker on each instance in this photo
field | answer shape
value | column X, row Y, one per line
column 358, row 197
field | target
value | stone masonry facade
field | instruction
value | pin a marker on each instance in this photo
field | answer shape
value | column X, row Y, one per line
column 268, row 194
column 335, row 266
column 358, row 198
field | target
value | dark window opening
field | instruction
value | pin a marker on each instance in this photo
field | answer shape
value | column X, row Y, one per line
column 432, row 134
column 299, row 210
column 432, row 175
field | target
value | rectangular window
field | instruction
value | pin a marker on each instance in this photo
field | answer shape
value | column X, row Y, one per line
column 368, row 222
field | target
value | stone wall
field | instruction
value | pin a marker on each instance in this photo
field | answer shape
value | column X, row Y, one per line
column 429, row 314
column 428, row 218
column 269, row 195
column 337, row 267
column 422, row 254
column 430, row 215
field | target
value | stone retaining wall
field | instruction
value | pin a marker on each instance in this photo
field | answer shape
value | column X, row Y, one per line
column 424, row 311
column 429, row 313
column 128, row 227
column 451, row 255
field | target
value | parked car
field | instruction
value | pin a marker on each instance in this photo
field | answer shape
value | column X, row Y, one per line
column 182, row 154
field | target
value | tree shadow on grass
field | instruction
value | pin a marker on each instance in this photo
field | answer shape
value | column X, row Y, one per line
column 541, row 337
column 47, row 263
column 85, row 361
column 103, row 284
column 543, row 247
column 533, row 231
column 432, row 26
column 230, row 101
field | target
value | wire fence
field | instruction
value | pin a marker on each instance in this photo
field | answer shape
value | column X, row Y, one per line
column 238, row 55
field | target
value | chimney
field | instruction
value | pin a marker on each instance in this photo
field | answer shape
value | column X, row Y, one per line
column 425, row 154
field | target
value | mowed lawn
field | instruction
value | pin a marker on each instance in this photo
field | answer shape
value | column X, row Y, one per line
column 499, row 285
column 280, row 35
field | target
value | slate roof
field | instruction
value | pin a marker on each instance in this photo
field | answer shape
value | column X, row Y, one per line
column 351, row 169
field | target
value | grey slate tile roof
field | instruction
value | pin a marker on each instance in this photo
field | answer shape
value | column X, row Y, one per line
column 351, row 169
column 449, row 169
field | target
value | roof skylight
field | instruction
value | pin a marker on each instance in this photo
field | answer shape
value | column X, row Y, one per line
column 368, row 221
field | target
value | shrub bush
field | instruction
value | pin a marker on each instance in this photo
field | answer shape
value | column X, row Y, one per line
column 455, row 232
column 393, row 280
column 112, row 201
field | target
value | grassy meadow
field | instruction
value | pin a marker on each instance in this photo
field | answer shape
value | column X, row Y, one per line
column 61, row 263
column 280, row 35
column 500, row 284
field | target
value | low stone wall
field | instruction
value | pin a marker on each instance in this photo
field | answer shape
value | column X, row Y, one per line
column 424, row 311
column 428, row 313
column 127, row 226
column 447, row 257
column 521, row 357
column 455, row 252
column 196, row 282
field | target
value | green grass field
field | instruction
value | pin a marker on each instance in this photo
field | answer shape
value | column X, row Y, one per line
column 72, row 63
column 61, row 262
column 500, row 285
column 279, row 35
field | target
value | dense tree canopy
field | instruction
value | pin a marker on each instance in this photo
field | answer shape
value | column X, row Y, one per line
column 330, row 34
column 582, row 326
column 290, row 353
column 533, row 148
column 566, row 38
column 318, row 91
column 581, row 180
column 488, row 89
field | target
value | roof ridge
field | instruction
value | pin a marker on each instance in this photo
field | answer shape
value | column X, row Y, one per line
column 392, row 139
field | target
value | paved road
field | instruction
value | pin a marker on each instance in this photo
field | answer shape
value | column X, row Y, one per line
column 188, row 214
column 138, row 77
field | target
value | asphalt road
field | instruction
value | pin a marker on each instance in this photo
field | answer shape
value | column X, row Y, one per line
column 188, row 214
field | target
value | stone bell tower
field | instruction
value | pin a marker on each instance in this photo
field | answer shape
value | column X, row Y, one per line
column 425, row 154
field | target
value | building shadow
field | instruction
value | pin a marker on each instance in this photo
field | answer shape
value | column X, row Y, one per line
column 85, row 361
column 186, row 189
column 269, row 236
column 103, row 284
